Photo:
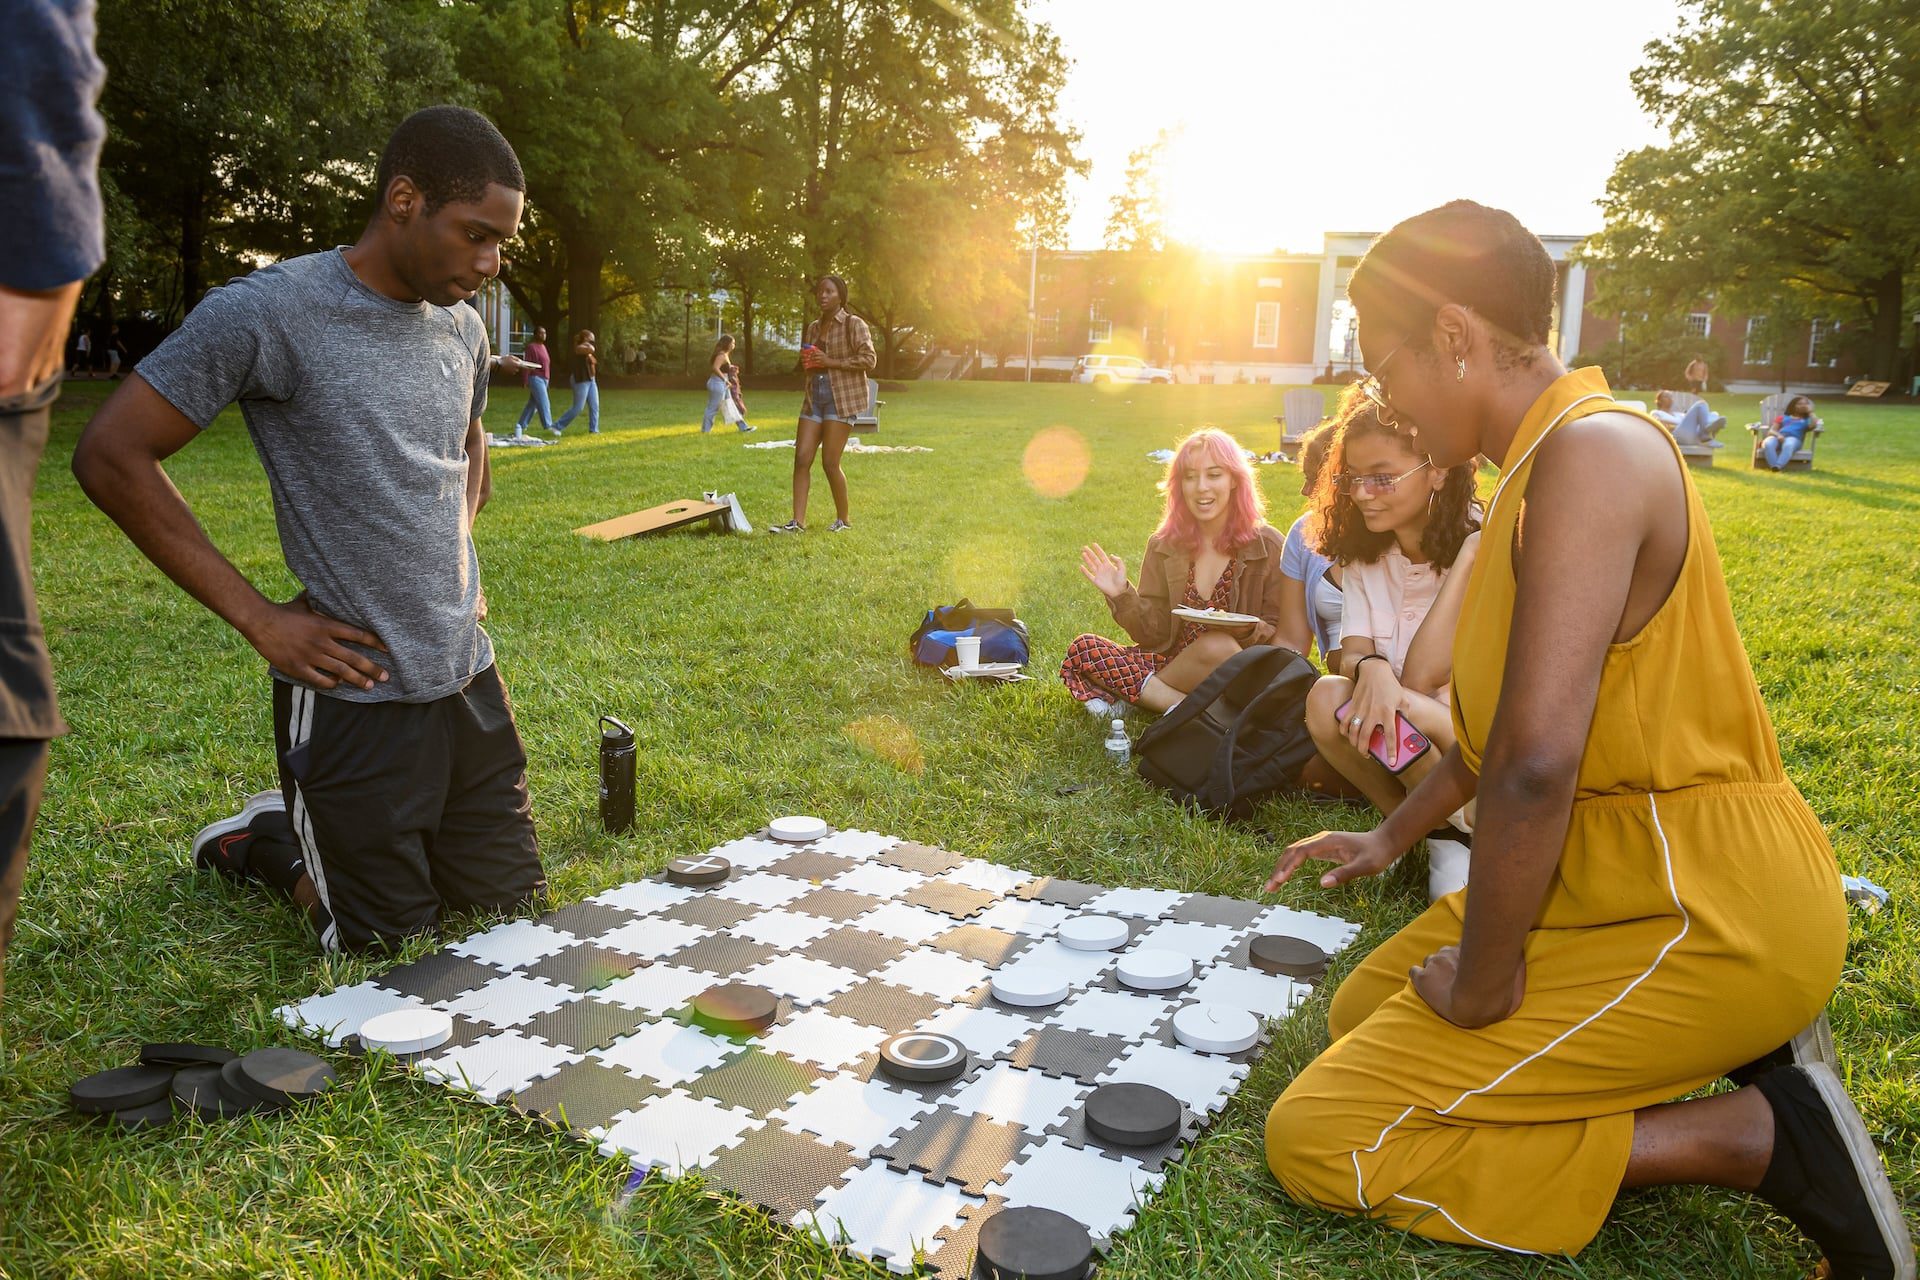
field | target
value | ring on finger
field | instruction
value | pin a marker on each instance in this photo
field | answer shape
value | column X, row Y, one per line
column 1355, row 722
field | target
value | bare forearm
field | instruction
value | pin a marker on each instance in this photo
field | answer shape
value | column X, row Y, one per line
column 1436, row 798
column 138, row 496
column 1521, row 829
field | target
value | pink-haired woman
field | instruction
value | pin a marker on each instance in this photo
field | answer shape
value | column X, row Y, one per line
column 1214, row 548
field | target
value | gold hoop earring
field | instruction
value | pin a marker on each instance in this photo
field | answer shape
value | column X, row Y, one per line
column 1460, row 364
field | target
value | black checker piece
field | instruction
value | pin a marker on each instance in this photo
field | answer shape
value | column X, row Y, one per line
column 440, row 976
column 584, row 1095
column 869, row 1068
column 945, row 1146
column 756, row 1081
column 586, row 1024
column 783, row 1171
column 1074, row 1130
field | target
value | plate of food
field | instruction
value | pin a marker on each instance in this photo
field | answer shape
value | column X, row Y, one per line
column 1215, row 617
column 985, row 671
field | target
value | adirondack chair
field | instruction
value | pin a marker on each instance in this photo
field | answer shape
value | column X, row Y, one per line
column 1683, row 400
column 1301, row 412
column 1696, row 455
column 1770, row 408
column 868, row 422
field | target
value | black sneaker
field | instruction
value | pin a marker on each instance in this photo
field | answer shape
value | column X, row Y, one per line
column 1827, row 1178
column 221, row 846
column 1814, row 1044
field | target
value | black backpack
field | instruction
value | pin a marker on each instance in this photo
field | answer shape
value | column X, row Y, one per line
column 1239, row 737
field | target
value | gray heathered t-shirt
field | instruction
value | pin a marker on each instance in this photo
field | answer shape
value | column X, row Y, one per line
column 358, row 405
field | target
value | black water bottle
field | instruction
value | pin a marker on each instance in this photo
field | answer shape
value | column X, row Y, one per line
column 616, row 775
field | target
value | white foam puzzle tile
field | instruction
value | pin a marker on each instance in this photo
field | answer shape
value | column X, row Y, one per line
column 676, row 1132
column 872, row 1210
column 887, row 1215
column 338, row 1014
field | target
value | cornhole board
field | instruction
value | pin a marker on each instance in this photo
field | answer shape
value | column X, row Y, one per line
column 668, row 515
column 1868, row 390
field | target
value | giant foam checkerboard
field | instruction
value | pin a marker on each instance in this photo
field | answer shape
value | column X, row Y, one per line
column 580, row 1018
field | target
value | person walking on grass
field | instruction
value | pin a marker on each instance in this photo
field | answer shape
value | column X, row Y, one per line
column 586, row 385
column 723, row 388
column 537, row 380
column 50, row 203
column 837, row 355
column 1652, row 907
column 403, row 789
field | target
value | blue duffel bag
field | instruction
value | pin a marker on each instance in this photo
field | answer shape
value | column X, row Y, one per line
column 1003, row 637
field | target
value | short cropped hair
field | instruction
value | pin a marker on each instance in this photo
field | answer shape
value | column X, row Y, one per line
column 1463, row 253
column 452, row 154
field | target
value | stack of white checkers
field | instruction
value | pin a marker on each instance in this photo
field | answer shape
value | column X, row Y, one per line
column 1053, row 989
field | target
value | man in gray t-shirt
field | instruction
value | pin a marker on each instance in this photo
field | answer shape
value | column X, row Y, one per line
column 361, row 376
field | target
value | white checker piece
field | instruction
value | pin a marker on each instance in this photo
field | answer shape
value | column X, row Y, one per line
column 906, row 922
column 644, row 897
column 1028, row 919
column 1027, row 1098
column 667, row 1052
column 805, row 979
column 338, row 1014
column 1112, row 1013
column 1144, row 904
column 786, row 930
column 827, row 1040
column 1200, row 943
column 514, row 944
column 887, row 1215
column 659, row 988
column 676, row 1132
column 863, row 1114
column 855, row 844
column 1099, row 1191
column 1204, row 1084
column 988, row 877
column 651, row 939
column 753, row 853
column 878, row 879
column 935, row 973
column 985, row 1032
column 763, row 889
column 508, row 1000
column 1078, row 967
column 1264, row 995
column 496, row 1065
column 1324, row 932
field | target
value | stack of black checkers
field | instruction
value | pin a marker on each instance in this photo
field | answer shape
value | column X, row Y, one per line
column 208, row 1081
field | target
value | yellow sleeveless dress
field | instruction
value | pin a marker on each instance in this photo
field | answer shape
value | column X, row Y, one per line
column 1694, row 923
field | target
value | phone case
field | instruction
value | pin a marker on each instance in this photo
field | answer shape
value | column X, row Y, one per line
column 1413, row 743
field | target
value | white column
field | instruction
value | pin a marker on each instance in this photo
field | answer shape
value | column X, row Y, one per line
column 1323, row 311
column 1573, row 305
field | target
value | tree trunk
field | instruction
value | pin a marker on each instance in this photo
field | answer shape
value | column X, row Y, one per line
column 1889, row 317
column 746, row 332
column 584, row 260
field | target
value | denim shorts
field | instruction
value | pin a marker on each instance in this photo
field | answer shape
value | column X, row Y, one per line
column 819, row 404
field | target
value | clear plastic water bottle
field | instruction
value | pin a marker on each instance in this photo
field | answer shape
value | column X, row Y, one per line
column 1119, row 747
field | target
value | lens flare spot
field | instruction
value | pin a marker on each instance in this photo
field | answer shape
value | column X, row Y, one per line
column 987, row 568
column 1056, row 462
column 892, row 740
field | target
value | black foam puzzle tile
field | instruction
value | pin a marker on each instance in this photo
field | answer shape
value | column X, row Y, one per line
column 586, row 967
column 785, row 1172
column 587, row 920
column 924, row 858
column 834, row 904
column 440, row 976
column 852, row 947
column 584, row 1024
column 1074, row 1130
column 952, row 1253
column 945, row 1146
column 811, row 864
column 881, row 1004
column 755, row 1081
column 954, row 900
column 722, row 956
column 1207, row 908
column 1062, row 893
column 710, row 913
column 584, row 1095
column 1063, row 1051
column 991, row 947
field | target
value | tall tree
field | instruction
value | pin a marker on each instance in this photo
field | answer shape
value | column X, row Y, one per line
column 1793, row 162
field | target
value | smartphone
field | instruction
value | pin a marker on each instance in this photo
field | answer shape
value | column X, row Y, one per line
column 1413, row 743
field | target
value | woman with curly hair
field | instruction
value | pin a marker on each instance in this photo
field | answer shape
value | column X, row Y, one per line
column 1403, row 532
column 1214, row 548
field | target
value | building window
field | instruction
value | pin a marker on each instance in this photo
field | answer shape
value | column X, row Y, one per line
column 1820, row 344
column 1099, row 328
column 1755, row 353
column 1266, row 324
column 1699, row 324
column 1047, row 326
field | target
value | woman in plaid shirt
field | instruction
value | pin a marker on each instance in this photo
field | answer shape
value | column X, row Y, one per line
column 837, row 356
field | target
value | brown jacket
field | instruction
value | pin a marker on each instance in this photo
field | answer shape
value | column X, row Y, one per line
column 1147, row 611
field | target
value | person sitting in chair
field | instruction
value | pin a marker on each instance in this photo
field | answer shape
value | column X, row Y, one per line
column 1698, row 425
column 1787, row 434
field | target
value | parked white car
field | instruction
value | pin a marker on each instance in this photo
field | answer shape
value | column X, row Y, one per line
column 1117, row 369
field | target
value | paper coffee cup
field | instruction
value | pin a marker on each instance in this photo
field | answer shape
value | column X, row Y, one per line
column 966, row 651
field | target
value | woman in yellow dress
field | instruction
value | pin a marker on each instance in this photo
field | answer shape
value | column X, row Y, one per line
column 1652, row 905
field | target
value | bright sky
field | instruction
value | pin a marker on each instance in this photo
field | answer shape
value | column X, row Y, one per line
column 1299, row 118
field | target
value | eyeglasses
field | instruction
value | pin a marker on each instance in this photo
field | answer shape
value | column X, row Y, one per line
column 1376, row 485
column 1376, row 394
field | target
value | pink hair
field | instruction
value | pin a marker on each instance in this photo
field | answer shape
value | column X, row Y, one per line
column 1246, row 509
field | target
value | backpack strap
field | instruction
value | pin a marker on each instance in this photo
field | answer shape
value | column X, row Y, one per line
column 1281, row 683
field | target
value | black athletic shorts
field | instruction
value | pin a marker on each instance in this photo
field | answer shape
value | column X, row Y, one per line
column 405, row 808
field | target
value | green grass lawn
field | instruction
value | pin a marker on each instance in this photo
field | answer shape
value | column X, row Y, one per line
column 767, row 676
